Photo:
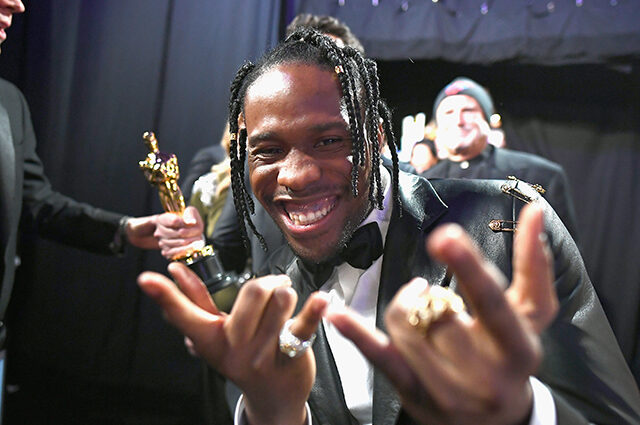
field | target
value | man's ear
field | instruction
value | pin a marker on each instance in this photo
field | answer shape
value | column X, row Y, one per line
column 241, row 123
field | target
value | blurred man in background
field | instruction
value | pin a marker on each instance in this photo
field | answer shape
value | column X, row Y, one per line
column 462, row 111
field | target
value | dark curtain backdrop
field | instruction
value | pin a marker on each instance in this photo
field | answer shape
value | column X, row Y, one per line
column 97, row 74
column 488, row 31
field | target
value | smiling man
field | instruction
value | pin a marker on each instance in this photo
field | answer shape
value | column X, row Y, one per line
column 309, row 119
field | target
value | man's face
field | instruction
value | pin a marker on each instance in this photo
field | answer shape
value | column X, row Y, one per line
column 299, row 153
column 462, row 129
column 7, row 9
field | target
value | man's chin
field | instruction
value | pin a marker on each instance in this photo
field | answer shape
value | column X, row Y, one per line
column 322, row 253
column 311, row 255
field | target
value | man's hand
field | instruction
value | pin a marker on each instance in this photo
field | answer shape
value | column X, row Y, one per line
column 469, row 369
column 172, row 233
column 179, row 234
column 243, row 345
column 139, row 231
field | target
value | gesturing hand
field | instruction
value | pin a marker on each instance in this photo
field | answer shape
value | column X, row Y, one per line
column 469, row 369
column 243, row 345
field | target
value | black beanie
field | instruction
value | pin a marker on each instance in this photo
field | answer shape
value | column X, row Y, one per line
column 463, row 85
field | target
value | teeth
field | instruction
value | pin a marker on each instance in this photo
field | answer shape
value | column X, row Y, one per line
column 303, row 219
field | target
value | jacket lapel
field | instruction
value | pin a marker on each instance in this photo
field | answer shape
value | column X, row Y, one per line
column 421, row 208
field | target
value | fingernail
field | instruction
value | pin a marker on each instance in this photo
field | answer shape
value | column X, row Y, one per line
column 320, row 309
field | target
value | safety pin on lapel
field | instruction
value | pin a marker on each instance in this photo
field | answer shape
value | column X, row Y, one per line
column 503, row 225
column 517, row 193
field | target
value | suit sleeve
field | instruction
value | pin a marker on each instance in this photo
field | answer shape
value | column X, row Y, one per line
column 559, row 196
column 227, row 238
column 583, row 365
column 55, row 216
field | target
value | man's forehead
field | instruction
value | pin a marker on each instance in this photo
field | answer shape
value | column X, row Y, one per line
column 271, row 82
column 458, row 101
column 303, row 86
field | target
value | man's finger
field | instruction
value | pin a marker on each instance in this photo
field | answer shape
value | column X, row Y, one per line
column 191, row 216
column 279, row 308
column 179, row 310
column 306, row 322
column 440, row 375
column 532, row 292
column 374, row 345
column 482, row 284
column 192, row 287
column 170, row 220
column 249, row 306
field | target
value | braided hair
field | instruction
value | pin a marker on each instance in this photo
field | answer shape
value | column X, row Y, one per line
column 360, row 94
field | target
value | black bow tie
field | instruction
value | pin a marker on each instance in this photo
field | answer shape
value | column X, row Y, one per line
column 364, row 247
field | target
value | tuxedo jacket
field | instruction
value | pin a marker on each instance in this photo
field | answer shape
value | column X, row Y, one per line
column 498, row 163
column 25, row 191
column 583, row 366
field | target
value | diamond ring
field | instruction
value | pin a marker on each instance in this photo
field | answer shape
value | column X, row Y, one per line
column 291, row 345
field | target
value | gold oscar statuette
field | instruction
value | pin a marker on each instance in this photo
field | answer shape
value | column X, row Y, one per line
column 162, row 171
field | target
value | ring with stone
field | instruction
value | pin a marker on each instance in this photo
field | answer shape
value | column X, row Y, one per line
column 435, row 305
column 290, row 345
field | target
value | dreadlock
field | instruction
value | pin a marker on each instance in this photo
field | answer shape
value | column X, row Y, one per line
column 237, row 152
column 360, row 94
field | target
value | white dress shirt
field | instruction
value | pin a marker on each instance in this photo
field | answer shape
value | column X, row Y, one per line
column 357, row 289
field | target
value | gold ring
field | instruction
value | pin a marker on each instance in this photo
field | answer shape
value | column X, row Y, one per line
column 435, row 305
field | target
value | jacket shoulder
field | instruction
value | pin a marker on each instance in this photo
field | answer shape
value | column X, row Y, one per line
column 9, row 93
column 449, row 189
column 526, row 161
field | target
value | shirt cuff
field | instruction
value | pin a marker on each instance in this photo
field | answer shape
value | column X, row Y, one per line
column 239, row 418
column 544, row 408
column 120, row 237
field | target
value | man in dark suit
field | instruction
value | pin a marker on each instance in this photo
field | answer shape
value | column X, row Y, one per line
column 25, row 192
column 314, row 165
column 462, row 111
